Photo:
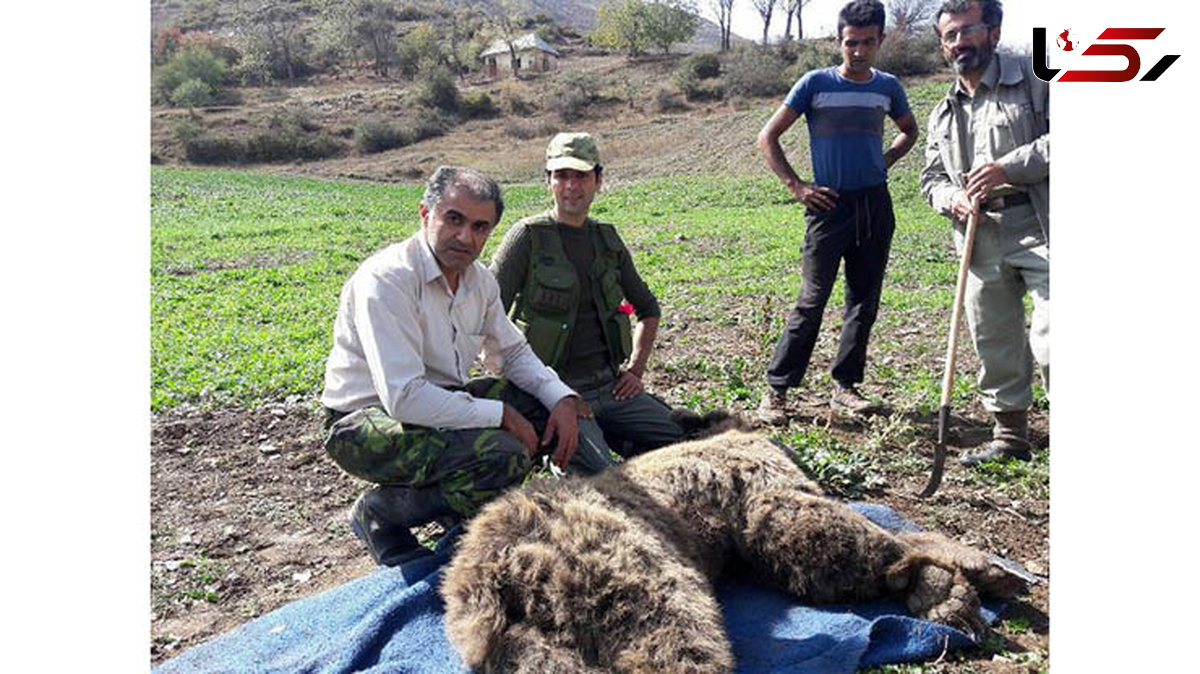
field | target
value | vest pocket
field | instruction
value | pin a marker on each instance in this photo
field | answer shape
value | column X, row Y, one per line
column 546, row 336
column 624, row 336
column 610, row 287
column 551, row 291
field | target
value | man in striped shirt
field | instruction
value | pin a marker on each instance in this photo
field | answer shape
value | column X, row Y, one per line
column 849, row 211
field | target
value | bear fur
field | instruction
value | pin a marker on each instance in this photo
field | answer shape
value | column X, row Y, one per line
column 615, row 573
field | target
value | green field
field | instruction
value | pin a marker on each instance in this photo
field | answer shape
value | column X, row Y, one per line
column 246, row 269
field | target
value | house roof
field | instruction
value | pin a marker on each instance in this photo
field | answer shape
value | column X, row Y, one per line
column 526, row 42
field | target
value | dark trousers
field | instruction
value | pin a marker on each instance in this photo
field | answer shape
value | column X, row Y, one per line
column 859, row 230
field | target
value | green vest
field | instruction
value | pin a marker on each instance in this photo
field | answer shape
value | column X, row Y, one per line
column 546, row 307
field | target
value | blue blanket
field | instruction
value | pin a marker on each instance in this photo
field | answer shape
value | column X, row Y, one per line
column 391, row 621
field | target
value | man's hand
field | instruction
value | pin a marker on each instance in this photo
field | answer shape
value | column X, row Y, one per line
column 514, row 422
column 629, row 385
column 983, row 179
column 961, row 207
column 814, row 196
column 564, row 423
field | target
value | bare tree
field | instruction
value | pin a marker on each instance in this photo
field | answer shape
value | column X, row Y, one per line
column 459, row 27
column 507, row 18
column 910, row 16
column 271, row 29
column 765, row 9
column 799, row 24
column 724, row 11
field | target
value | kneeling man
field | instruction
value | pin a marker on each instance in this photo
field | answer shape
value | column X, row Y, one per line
column 401, row 407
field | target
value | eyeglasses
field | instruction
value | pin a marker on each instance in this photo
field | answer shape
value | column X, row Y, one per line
column 951, row 36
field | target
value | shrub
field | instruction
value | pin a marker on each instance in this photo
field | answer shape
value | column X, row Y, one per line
column 319, row 147
column 192, row 93
column 187, row 130
column 478, row 105
column 812, row 55
column 666, row 100
column 191, row 64
column 376, row 134
column 756, row 71
column 698, row 90
column 292, row 117
column 572, row 97
column 210, row 150
column 437, row 89
column 902, row 54
column 527, row 129
column 512, row 102
column 701, row 66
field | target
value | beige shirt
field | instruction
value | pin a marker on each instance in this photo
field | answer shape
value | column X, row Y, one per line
column 402, row 337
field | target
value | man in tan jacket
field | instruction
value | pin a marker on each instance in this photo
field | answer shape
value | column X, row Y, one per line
column 988, row 147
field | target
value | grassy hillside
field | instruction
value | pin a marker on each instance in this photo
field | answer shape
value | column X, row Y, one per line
column 246, row 270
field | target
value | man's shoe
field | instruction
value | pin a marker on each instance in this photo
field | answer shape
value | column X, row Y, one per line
column 997, row 449
column 848, row 399
column 773, row 409
column 375, row 521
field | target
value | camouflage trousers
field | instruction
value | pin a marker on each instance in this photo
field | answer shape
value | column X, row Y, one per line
column 471, row 466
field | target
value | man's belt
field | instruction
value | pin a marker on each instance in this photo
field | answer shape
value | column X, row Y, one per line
column 1007, row 201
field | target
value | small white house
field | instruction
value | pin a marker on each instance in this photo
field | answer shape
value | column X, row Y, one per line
column 532, row 53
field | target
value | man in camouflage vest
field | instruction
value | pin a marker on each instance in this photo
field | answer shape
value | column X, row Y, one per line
column 568, row 275
column 402, row 409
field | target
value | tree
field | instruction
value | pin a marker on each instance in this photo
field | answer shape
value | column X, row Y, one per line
column 634, row 25
column 765, row 9
column 910, row 16
column 375, row 29
column 270, row 34
column 336, row 37
column 792, row 8
column 192, row 94
column 197, row 64
column 459, row 28
column 799, row 20
column 666, row 22
column 618, row 26
column 724, row 11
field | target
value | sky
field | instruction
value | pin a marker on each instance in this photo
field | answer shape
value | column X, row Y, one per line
column 820, row 19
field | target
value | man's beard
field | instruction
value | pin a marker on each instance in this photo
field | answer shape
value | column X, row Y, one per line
column 976, row 60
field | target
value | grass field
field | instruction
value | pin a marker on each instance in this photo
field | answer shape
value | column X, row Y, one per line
column 246, row 270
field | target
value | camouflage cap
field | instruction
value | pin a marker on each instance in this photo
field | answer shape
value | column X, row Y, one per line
column 572, row 151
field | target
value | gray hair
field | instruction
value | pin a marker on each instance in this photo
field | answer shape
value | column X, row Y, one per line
column 479, row 186
column 993, row 13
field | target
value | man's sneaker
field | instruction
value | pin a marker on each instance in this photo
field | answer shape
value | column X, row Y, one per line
column 848, row 399
column 389, row 543
column 997, row 449
column 773, row 408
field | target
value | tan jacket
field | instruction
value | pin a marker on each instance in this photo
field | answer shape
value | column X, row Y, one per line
column 1017, row 110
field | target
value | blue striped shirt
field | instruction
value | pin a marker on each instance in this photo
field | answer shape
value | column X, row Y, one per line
column 845, row 124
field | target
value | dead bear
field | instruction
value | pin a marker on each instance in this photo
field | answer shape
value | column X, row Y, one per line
column 614, row 573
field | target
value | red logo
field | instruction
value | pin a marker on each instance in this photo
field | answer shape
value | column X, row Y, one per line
column 1133, row 65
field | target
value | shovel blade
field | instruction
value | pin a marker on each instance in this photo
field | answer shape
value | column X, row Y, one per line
column 939, row 453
